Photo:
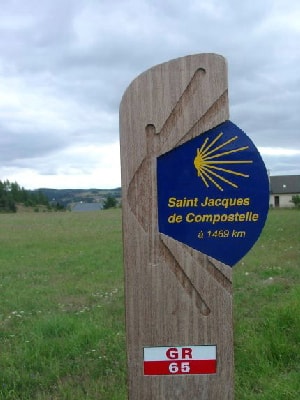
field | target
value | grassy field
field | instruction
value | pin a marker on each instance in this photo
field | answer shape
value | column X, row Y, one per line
column 267, row 313
column 62, row 309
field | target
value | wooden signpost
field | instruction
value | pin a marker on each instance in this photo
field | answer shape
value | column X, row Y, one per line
column 187, row 200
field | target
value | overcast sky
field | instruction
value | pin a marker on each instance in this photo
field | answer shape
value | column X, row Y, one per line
column 65, row 64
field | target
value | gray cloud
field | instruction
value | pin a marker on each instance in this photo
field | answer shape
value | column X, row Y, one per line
column 64, row 66
column 283, row 165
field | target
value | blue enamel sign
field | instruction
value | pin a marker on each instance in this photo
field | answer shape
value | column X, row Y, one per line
column 213, row 193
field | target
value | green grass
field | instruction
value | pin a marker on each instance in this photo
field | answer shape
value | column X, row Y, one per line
column 62, row 314
column 62, row 309
column 267, row 313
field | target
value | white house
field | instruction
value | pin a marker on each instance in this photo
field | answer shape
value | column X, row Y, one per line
column 282, row 188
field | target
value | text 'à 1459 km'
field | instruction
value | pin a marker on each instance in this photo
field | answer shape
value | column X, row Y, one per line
column 222, row 233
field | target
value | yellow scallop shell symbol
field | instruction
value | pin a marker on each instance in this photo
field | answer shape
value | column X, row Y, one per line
column 207, row 162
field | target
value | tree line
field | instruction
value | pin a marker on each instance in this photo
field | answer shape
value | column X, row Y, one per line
column 11, row 193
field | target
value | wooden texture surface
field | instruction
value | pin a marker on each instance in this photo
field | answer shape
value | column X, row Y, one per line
column 175, row 296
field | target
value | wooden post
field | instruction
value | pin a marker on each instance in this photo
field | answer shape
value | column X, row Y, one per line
column 177, row 298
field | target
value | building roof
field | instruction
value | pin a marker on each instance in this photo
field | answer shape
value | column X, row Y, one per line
column 87, row 207
column 289, row 184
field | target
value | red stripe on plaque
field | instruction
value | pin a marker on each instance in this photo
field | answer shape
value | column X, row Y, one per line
column 179, row 367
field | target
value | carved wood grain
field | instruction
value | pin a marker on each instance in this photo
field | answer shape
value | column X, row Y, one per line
column 174, row 295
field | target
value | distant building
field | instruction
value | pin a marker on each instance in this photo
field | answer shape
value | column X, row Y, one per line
column 80, row 207
column 282, row 188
